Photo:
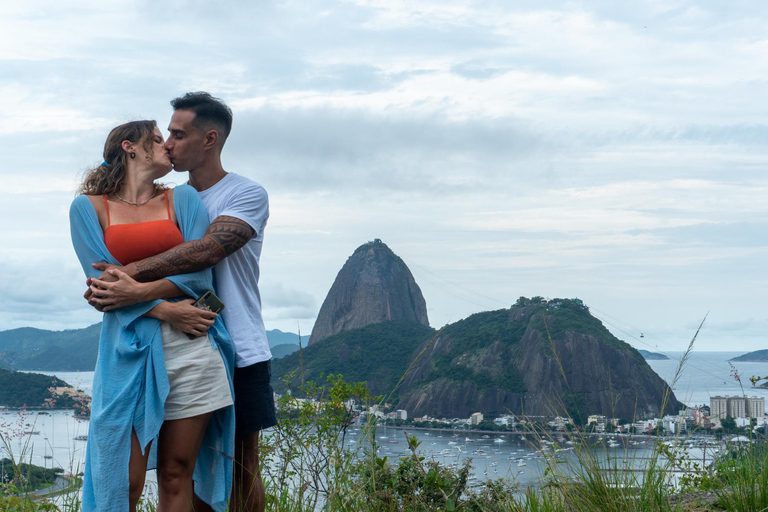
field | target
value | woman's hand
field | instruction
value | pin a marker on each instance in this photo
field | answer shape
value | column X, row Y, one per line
column 185, row 317
column 125, row 291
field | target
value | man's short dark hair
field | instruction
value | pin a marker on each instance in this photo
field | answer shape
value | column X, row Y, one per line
column 210, row 112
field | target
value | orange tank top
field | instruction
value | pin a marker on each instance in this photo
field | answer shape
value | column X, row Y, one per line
column 139, row 240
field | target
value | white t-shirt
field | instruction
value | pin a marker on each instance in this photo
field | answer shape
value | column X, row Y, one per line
column 237, row 275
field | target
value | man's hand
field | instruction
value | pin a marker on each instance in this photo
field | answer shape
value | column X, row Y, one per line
column 121, row 290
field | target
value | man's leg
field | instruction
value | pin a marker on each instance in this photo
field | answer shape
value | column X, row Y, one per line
column 254, row 412
column 248, row 493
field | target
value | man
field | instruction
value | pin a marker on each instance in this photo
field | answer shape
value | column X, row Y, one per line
column 239, row 210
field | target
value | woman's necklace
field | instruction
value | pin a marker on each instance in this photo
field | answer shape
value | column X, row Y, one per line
column 136, row 204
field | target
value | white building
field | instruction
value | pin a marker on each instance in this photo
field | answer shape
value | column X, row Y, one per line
column 599, row 422
column 559, row 423
column 672, row 424
column 505, row 420
column 476, row 418
column 401, row 414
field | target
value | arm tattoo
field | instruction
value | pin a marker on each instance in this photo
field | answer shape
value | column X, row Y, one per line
column 225, row 235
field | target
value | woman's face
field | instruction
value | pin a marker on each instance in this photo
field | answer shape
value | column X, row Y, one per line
column 158, row 158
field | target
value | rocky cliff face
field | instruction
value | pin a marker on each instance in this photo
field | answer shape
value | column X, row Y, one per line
column 503, row 361
column 373, row 286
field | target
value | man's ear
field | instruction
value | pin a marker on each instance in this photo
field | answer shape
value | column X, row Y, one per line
column 211, row 139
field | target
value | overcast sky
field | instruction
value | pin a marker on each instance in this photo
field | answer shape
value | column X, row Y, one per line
column 608, row 151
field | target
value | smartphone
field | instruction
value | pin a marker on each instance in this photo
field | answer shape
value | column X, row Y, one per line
column 209, row 302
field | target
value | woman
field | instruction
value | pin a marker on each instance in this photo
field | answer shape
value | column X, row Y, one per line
column 157, row 395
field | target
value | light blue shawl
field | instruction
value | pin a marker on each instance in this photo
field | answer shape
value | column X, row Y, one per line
column 130, row 382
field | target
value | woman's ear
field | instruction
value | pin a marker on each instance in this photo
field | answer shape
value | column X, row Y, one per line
column 127, row 146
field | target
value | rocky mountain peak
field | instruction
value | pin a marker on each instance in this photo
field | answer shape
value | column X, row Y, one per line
column 373, row 286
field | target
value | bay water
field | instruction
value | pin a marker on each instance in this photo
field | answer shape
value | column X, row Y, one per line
column 55, row 438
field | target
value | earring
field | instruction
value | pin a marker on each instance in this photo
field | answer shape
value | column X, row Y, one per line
column 132, row 155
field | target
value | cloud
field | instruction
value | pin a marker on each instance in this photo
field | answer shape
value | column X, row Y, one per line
column 727, row 234
column 614, row 152
column 329, row 149
column 281, row 295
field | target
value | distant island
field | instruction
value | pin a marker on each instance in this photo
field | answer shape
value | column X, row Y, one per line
column 19, row 389
column 653, row 356
column 758, row 356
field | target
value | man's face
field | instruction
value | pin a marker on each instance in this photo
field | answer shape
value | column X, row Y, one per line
column 185, row 143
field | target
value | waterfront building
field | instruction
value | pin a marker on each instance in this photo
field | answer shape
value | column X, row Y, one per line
column 505, row 420
column 699, row 416
column 559, row 423
column 401, row 414
column 756, row 406
column 672, row 424
column 476, row 418
column 743, row 422
column 736, row 407
column 718, row 407
column 599, row 422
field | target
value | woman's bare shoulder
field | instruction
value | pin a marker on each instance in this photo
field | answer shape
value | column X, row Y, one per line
column 97, row 201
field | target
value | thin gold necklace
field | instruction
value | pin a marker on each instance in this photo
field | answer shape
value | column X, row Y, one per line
column 136, row 204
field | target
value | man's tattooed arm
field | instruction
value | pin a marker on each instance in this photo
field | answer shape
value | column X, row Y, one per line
column 225, row 235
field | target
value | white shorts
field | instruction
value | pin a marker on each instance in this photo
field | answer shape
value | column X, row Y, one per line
column 196, row 374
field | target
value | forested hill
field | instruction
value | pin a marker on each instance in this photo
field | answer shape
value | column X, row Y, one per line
column 652, row 356
column 758, row 356
column 28, row 348
column 75, row 350
column 377, row 354
column 540, row 358
column 31, row 389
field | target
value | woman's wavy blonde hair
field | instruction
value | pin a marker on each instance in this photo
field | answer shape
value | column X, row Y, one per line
column 108, row 177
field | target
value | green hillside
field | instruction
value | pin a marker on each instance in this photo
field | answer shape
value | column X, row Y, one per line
column 28, row 348
column 74, row 350
column 652, row 356
column 277, row 337
column 31, row 389
column 283, row 350
column 468, row 338
column 758, row 356
column 377, row 354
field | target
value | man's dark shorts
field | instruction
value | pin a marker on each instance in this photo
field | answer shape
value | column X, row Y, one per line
column 254, row 398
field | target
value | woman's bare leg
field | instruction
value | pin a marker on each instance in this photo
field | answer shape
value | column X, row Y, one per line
column 137, row 471
column 178, row 447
